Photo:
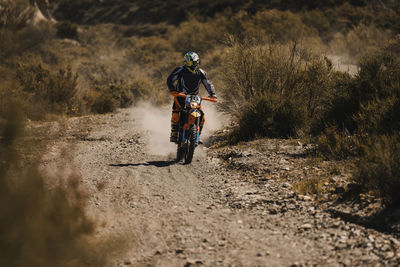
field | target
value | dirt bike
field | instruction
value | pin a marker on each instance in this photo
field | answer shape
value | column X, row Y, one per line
column 189, row 125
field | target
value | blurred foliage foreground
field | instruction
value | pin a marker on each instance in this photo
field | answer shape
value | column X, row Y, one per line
column 43, row 222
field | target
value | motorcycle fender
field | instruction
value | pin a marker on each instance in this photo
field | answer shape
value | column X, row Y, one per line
column 192, row 118
column 193, row 115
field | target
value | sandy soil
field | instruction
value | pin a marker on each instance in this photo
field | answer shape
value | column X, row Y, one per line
column 206, row 213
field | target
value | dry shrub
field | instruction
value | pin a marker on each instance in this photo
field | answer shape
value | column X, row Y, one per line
column 370, row 99
column 368, row 113
column 100, row 102
column 110, row 92
column 359, row 41
column 40, row 226
column 146, row 30
column 156, row 56
column 148, row 50
column 47, row 92
column 15, row 13
column 337, row 145
column 16, row 42
column 66, row 29
column 378, row 168
column 280, row 26
column 203, row 36
column 267, row 116
column 280, row 87
column 311, row 186
column 193, row 35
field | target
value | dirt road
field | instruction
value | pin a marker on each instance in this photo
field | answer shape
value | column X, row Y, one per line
column 170, row 214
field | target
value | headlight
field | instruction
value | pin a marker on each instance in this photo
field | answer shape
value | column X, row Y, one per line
column 193, row 105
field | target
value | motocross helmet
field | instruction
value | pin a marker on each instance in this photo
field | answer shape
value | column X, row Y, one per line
column 192, row 61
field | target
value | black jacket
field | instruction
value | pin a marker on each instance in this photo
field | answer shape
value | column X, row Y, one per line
column 189, row 82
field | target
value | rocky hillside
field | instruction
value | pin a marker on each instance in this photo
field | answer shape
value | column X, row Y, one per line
column 175, row 12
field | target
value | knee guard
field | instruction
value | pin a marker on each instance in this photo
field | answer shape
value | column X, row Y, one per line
column 175, row 117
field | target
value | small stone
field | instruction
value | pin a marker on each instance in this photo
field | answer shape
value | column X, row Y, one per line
column 306, row 226
column 336, row 224
column 304, row 198
column 371, row 238
column 347, row 262
column 395, row 241
column 390, row 254
column 272, row 211
column 246, row 154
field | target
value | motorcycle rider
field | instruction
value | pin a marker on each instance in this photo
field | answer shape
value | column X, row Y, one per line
column 188, row 77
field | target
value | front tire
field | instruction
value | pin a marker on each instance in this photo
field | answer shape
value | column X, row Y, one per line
column 180, row 151
column 191, row 144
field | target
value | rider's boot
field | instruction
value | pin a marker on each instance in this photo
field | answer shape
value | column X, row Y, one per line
column 174, row 132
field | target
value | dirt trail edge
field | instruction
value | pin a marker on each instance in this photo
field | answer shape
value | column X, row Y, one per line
column 172, row 214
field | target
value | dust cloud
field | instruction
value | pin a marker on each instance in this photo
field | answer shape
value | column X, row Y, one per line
column 342, row 63
column 155, row 122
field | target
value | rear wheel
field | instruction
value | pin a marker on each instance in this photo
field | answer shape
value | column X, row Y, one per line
column 191, row 144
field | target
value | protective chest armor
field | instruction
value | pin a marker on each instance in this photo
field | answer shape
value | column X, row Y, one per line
column 190, row 82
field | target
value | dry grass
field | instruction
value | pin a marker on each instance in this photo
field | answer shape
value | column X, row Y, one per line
column 313, row 186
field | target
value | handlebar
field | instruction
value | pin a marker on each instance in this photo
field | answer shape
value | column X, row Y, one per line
column 207, row 98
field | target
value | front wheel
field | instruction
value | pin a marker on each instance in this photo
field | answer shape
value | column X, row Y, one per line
column 191, row 144
column 180, row 151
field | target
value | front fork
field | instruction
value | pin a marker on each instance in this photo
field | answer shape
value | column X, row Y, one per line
column 186, row 121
